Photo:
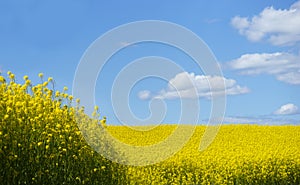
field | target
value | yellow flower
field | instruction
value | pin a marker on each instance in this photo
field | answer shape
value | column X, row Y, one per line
column 8, row 110
column 40, row 143
column 45, row 83
column 2, row 79
column 41, row 75
column 12, row 76
column 25, row 77
column 57, row 94
column 47, row 147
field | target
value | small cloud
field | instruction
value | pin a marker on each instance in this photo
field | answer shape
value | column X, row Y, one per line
column 261, row 120
column 189, row 85
column 284, row 66
column 287, row 109
column 278, row 26
column 144, row 95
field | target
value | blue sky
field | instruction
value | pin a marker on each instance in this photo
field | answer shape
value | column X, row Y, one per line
column 256, row 42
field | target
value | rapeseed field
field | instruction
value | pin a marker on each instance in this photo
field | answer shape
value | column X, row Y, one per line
column 43, row 141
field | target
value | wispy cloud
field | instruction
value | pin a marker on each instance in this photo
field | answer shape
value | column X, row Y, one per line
column 278, row 26
column 284, row 66
column 189, row 85
column 144, row 95
column 287, row 109
column 211, row 21
column 279, row 117
column 261, row 120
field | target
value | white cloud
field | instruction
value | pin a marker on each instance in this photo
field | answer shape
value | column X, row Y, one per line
column 189, row 85
column 285, row 66
column 261, row 120
column 287, row 109
column 144, row 94
column 278, row 26
column 211, row 21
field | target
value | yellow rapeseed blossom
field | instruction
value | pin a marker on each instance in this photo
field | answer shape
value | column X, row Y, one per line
column 6, row 116
column 57, row 94
column 2, row 79
column 12, row 76
column 45, row 83
column 25, row 77
column 27, row 82
column 41, row 75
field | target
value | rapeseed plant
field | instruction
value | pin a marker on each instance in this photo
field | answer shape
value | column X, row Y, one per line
column 40, row 142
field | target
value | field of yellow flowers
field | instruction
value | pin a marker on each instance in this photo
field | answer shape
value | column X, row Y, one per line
column 240, row 154
column 42, row 142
